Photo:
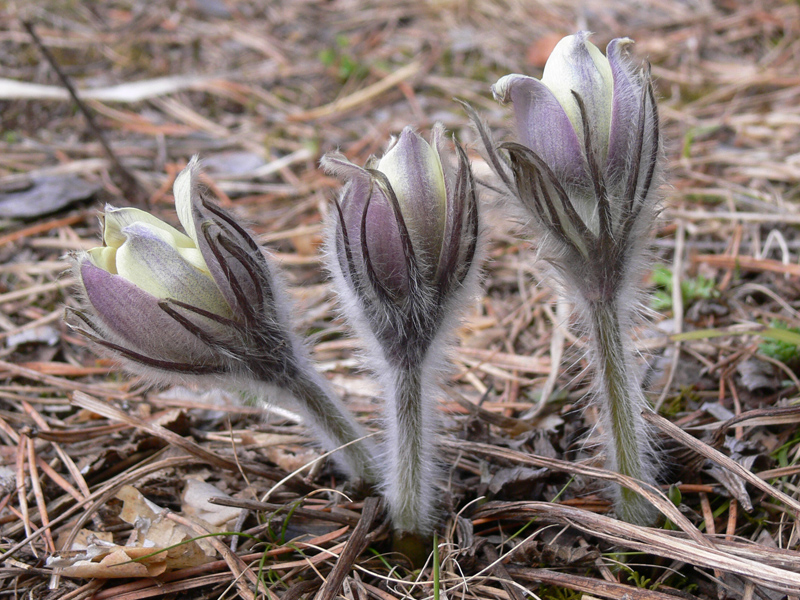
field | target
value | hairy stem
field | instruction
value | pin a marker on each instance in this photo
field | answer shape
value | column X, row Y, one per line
column 333, row 423
column 622, row 401
column 410, row 485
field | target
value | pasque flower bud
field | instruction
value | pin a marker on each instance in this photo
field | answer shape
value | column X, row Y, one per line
column 199, row 303
column 589, row 150
column 402, row 250
column 586, row 167
column 205, row 303
column 404, row 241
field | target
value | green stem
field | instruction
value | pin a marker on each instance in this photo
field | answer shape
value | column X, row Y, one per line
column 621, row 401
column 326, row 413
column 410, row 493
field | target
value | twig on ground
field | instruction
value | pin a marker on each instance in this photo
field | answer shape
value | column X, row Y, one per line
column 133, row 190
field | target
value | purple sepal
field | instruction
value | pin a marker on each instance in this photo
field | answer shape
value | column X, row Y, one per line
column 626, row 109
column 543, row 126
column 135, row 318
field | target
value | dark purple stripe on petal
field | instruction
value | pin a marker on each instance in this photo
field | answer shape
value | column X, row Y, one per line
column 384, row 245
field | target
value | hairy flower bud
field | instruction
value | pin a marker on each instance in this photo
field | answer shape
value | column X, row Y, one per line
column 589, row 145
column 402, row 249
column 200, row 302
column 585, row 166
column 207, row 302
column 405, row 240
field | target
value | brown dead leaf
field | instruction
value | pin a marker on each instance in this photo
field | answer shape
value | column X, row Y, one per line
column 162, row 545
column 121, row 562
column 291, row 459
column 84, row 539
column 156, row 532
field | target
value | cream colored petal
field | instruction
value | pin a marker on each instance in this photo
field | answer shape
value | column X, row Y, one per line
column 194, row 257
column 104, row 257
column 116, row 219
column 415, row 173
column 182, row 190
column 149, row 260
column 577, row 65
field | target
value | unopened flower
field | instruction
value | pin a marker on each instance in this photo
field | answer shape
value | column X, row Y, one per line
column 404, row 241
column 586, row 167
column 402, row 247
column 589, row 149
column 205, row 303
column 199, row 302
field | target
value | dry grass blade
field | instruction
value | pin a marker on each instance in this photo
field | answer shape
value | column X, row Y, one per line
column 98, row 499
column 300, row 512
column 61, row 383
column 39, row 495
column 105, row 409
column 241, row 571
column 354, row 547
column 717, row 457
column 191, row 577
column 131, row 186
column 661, row 502
column 655, row 541
column 357, row 98
column 748, row 263
column 177, row 587
column 588, row 585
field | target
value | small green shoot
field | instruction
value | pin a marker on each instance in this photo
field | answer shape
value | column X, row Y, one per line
column 675, row 496
column 521, row 530
column 340, row 58
column 692, row 134
column 563, row 489
column 639, row 580
column 782, row 347
column 686, row 396
column 294, row 507
column 382, row 558
column 781, row 454
column 552, row 592
column 189, row 541
column 693, row 288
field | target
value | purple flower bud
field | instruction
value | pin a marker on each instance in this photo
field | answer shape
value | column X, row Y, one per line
column 589, row 150
column 405, row 238
column 207, row 302
column 199, row 302
column 585, row 167
column 403, row 258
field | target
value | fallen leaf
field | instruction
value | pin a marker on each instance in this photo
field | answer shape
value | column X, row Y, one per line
column 195, row 504
column 45, row 195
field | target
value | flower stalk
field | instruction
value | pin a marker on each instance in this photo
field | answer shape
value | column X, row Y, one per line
column 621, row 395
column 402, row 247
column 586, row 168
column 334, row 424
